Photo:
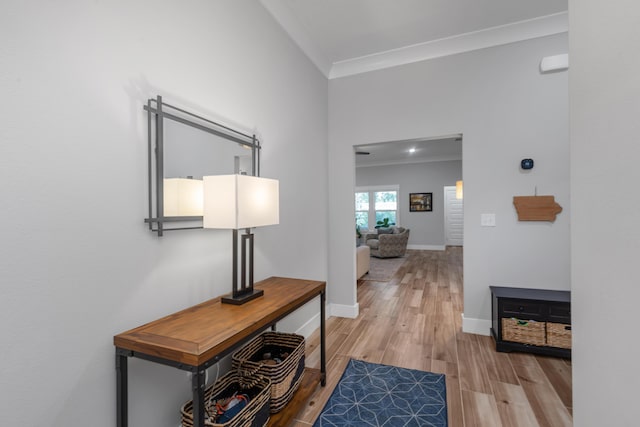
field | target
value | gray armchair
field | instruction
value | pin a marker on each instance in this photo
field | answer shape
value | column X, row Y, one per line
column 389, row 245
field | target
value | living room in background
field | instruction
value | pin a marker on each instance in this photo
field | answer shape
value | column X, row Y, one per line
column 374, row 204
column 419, row 165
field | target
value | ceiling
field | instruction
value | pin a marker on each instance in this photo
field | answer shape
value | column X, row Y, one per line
column 410, row 151
column 345, row 37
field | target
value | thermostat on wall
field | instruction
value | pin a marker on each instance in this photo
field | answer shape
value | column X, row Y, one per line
column 526, row 164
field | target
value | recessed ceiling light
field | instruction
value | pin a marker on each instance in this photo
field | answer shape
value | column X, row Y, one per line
column 412, row 150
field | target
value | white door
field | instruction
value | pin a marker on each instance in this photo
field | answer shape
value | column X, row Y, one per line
column 453, row 218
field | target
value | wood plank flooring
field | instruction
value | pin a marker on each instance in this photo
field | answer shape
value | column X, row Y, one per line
column 415, row 321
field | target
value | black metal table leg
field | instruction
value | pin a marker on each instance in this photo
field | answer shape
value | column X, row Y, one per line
column 198, row 385
column 323, row 358
column 122, row 395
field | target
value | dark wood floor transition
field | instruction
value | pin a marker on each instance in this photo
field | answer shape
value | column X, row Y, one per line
column 415, row 321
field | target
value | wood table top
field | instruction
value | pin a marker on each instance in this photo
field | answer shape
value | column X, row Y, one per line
column 197, row 334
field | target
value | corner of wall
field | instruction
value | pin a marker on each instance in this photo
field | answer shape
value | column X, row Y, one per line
column 341, row 310
column 476, row 326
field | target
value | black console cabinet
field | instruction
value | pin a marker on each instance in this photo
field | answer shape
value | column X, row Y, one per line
column 529, row 304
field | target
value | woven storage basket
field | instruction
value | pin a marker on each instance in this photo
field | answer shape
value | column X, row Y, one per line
column 524, row 331
column 285, row 376
column 255, row 414
column 558, row 335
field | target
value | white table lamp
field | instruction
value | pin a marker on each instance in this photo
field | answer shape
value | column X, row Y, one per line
column 235, row 202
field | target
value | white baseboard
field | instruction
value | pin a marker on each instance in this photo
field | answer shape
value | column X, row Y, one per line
column 338, row 310
column 341, row 310
column 427, row 247
column 309, row 327
column 476, row 326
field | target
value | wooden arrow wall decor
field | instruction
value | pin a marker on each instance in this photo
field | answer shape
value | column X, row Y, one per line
column 536, row 208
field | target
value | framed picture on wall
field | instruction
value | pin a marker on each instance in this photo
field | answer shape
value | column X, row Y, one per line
column 420, row 202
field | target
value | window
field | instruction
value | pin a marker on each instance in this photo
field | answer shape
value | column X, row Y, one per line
column 362, row 209
column 374, row 204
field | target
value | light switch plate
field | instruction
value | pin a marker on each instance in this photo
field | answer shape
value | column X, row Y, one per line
column 488, row 220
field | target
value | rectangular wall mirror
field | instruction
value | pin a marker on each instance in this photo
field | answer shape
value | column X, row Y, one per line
column 184, row 147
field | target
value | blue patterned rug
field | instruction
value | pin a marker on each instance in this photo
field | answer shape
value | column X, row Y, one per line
column 369, row 394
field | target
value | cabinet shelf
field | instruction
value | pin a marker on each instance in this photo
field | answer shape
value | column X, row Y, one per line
column 538, row 305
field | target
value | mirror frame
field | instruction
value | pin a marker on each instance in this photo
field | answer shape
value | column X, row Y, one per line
column 158, row 111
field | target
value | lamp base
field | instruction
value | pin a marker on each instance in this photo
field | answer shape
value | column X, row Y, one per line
column 241, row 299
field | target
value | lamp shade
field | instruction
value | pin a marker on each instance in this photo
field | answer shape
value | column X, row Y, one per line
column 240, row 201
column 182, row 197
column 458, row 190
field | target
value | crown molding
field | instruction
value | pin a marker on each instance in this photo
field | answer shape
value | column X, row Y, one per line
column 518, row 31
column 495, row 36
column 410, row 161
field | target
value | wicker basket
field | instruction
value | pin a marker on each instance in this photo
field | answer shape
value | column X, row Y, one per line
column 255, row 414
column 286, row 376
column 524, row 331
column 558, row 335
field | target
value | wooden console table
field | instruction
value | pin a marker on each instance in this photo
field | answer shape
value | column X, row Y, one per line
column 200, row 336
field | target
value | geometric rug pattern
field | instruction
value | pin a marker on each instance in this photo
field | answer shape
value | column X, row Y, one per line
column 374, row 395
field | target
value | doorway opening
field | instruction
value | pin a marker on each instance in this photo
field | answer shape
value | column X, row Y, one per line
column 423, row 166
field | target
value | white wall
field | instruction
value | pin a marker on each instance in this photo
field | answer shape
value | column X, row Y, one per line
column 605, row 107
column 427, row 228
column 506, row 111
column 78, row 263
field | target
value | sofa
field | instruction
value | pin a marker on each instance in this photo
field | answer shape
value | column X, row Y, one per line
column 363, row 255
column 388, row 244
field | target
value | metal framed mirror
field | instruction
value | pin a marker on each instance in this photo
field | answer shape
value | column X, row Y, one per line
column 184, row 147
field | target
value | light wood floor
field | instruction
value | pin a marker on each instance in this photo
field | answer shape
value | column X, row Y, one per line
column 414, row 321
